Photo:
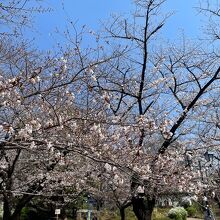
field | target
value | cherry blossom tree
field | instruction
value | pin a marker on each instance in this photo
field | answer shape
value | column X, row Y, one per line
column 211, row 10
column 44, row 110
column 117, row 118
column 155, row 96
column 16, row 15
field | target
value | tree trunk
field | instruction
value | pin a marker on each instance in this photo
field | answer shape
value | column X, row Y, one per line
column 7, row 214
column 99, row 204
column 17, row 212
column 122, row 208
column 63, row 214
column 122, row 213
column 143, row 208
column 6, row 209
column 74, row 213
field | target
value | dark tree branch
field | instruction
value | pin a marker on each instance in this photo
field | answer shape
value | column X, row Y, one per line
column 181, row 119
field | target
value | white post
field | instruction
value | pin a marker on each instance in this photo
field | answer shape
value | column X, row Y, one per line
column 57, row 213
column 89, row 215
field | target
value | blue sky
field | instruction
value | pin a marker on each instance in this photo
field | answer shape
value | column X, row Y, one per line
column 92, row 12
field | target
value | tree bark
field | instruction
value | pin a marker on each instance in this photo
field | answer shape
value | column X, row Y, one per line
column 143, row 208
column 6, row 209
column 74, row 213
column 122, row 213
column 122, row 208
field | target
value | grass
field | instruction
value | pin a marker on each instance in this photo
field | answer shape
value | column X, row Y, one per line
column 160, row 214
column 216, row 211
column 115, row 215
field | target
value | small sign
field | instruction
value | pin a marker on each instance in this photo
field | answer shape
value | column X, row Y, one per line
column 57, row 211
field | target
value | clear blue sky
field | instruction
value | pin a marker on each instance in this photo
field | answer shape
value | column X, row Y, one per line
column 92, row 12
